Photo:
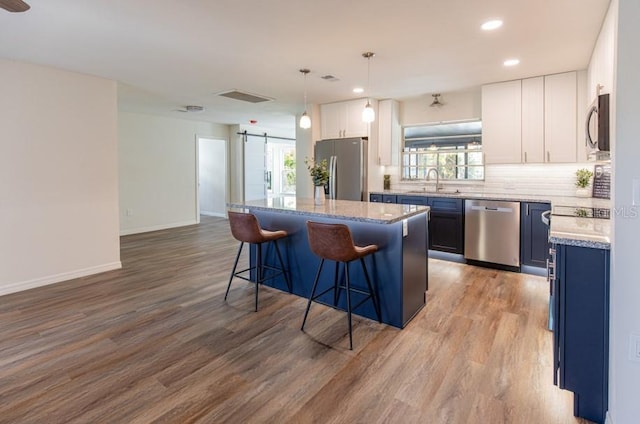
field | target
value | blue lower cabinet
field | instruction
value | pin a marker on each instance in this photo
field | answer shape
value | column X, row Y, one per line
column 413, row 200
column 446, row 225
column 446, row 221
column 389, row 198
column 581, row 328
column 382, row 198
column 534, row 234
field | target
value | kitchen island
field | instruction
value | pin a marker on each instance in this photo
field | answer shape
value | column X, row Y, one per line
column 398, row 269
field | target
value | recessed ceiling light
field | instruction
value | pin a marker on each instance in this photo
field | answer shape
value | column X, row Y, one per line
column 491, row 25
column 358, row 90
column 511, row 62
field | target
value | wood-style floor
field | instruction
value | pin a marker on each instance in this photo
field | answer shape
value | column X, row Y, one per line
column 155, row 342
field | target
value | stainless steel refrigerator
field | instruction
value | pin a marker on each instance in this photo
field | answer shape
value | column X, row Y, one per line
column 347, row 162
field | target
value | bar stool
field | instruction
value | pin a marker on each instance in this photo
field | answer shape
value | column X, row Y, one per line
column 334, row 242
column 246, row 229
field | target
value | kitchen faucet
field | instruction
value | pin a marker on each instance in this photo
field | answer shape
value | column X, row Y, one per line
column 437, row 177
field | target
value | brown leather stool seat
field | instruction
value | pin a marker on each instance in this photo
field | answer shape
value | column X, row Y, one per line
column 334, row 242
column 246, row 229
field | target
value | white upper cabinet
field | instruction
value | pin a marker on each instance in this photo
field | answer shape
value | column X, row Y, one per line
column 502, row 122
column 389, row 132
column 533, row 120
column 332, row 120
column 560, row 117
column 343, row 119
column 583, row 104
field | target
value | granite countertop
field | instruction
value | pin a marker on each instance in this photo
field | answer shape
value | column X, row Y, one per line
column 568, row 230
column 583, row 232
column 380, row 213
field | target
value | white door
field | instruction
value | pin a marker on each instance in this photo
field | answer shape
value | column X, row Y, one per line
column 255, row 168
column 212, row 176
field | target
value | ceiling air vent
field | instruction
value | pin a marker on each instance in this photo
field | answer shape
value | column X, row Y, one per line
column 245, row 97
column 194, row 108
column 191, row 109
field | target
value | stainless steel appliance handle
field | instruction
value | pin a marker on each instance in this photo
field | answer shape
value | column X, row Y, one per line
column 551, row 268
column 334, row 167
column 588, row 139
column 545, row 217
column 330, row 184
column 491, row 209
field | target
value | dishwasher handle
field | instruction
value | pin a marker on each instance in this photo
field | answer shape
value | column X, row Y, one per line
column 491, row 209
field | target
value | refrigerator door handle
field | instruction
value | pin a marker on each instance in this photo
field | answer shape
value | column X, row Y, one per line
column 332, row 177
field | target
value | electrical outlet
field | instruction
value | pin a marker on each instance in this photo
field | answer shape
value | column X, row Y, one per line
column 129, row 212
column 634, row 347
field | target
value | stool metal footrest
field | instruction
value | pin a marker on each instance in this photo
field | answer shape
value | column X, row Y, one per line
column 348, row 289
column 260, row 268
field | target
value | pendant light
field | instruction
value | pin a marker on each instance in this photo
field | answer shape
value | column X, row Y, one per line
column 368, row 114
column 305, row 120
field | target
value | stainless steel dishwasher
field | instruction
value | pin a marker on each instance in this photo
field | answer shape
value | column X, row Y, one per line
column 492, row 232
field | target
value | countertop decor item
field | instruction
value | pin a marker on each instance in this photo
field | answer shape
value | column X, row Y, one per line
column 386, row 182
column 583, row 180
column 320, row 175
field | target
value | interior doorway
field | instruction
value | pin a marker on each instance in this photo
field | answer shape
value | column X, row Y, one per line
column 212, row 177
column 269, row 166
column 281, row 167
column 255, row 167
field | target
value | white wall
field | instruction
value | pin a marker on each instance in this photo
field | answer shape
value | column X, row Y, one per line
column 58, row 176
column 304, row 149
column 459, row 105
column 158, row 170
column 624, row 393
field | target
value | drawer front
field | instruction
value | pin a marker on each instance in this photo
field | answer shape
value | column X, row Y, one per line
column 389, row 198
column 446, row 204
column 375, row 197
column 413, row 200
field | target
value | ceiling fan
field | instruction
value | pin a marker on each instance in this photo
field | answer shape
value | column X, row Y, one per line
column 14, row 5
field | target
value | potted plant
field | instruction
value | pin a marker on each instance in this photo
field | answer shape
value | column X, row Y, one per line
column 320, row 175
column 583, row 180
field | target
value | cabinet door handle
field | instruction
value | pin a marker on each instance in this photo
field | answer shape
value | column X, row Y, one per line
column 525, row 157
column 548, row 156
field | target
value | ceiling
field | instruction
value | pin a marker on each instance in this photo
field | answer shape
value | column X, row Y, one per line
column 166, row 54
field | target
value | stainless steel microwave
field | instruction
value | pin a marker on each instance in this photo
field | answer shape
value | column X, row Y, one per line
column 597, row 125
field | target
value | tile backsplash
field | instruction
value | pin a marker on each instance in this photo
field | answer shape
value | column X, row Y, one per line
column 545, row 179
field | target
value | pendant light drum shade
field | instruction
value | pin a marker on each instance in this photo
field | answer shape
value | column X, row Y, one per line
column 305, row 120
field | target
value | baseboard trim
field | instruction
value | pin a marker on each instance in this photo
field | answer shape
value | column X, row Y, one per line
column 216, row 214
column 533, row 270
column 157, row 227
column 56, row 278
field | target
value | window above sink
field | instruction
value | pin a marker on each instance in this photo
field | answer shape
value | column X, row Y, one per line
column 454, row 149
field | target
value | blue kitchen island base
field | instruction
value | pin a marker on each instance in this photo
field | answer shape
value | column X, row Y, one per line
column 398, row 270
